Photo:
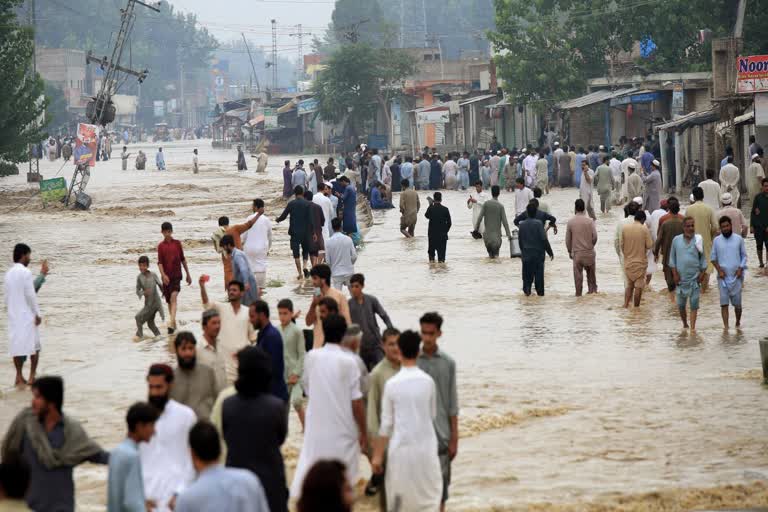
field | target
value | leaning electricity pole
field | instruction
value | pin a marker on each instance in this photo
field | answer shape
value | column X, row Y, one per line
column 253, row 67
column 100, row 110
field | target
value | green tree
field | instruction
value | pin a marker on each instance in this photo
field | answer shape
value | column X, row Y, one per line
column 357, row 80
column 548, row 49
column 22, row 105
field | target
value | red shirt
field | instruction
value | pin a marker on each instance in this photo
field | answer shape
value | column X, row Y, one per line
column 170, row 255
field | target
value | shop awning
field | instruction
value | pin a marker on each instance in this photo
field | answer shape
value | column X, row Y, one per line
column 476, row 99
column 429, row 108
column 693, row 119
column 595, row 97
column 503, row 103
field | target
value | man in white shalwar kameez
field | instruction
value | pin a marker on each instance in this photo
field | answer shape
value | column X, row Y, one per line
column 625, row 165
column 334, row 427
column 323, row 200
column 414, row 482
column 476, row 199
column 257, row 242
column 166, row 463
column 729, row 181
column 23, row 313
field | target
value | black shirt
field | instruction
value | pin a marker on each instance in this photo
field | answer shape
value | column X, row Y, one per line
column 439, row 221
column 301, row 217
column 254, row 428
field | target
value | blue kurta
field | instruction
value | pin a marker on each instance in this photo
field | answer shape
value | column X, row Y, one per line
column 224, row 490
column 125, row 486
column 349, row 202
column 241, row 270
column 435, row 175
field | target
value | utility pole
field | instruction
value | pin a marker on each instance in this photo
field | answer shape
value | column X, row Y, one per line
column 101, row 110
column 424, row 18
column 274, row 55
column 299, row 34
column 253, row 67
column 33, row 174
column 351, row 32
column 402, row 24
column 181, row 91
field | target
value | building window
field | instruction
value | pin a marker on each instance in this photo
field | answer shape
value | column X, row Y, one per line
column 427, row 57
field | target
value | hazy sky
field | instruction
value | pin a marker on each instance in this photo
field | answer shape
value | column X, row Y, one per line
column 226, row 19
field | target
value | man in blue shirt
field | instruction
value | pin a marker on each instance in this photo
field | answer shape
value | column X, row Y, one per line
column 729, row 257
column 377, row 198
column 218, row 488
column 349, row 205
column 647, row 159
column 688, row 266
column 125, row 487
column 271, row 342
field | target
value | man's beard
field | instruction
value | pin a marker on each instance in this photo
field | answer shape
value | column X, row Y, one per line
column 727, row 235
column 158, row 401
column 187, row 363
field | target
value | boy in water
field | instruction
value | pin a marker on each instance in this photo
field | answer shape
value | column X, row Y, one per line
column 147, row 285
column 294, row 350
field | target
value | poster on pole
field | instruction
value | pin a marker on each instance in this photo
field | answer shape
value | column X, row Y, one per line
column 53, row 190
column 752, row 74
column 86, row 144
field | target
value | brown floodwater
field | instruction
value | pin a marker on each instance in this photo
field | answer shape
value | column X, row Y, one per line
column 566, row 403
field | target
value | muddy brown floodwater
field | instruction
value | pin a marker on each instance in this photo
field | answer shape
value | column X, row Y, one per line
column 566, row 404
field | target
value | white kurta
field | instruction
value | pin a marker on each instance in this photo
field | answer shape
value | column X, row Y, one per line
column 711, row 194
column 324, row 202
column 166, row 464
column 257, row 242
column 480, row 198
column 755, row 174
column 408, row 409
column 21, row 302
column 236, row 333
column 331, row 380
column 625, row 174
column 523, row 196
column 729, row 182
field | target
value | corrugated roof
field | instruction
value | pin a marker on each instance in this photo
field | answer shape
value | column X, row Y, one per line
column 434, row 106
column 595, row 97
column 502, row 103
column 691, row 119
column 476, row 99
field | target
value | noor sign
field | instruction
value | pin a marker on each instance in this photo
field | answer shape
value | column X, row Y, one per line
column 752, row 74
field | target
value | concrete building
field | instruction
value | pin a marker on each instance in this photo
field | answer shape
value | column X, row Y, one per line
column 64, row 68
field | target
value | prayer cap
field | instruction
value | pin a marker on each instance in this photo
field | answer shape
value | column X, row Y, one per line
column 755, row 156
column 638, row 200
column 656, row 163
column 726, row 198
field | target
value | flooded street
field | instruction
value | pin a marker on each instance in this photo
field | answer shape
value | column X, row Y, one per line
column 564, row 401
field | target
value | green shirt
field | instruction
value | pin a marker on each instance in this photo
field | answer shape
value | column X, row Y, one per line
column 379, row 376
column 603, row 179
column 294, row 349
column 442, row 368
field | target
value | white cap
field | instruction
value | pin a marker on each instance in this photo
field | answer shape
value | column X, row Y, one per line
column 632, row 166
column 726, row 198
column 557, row 143
column 638, row 200
column 755, row 156
column 601, row 147
column 656, row 163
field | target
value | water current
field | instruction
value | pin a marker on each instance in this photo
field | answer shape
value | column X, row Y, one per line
column 566, row 403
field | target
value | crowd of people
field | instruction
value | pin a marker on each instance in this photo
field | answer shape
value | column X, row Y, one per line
column 210, row 433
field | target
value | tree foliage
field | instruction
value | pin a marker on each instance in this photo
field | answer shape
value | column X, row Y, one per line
column 58, row 116
column 548, row 49
column 357, row 80
column 22, row 105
